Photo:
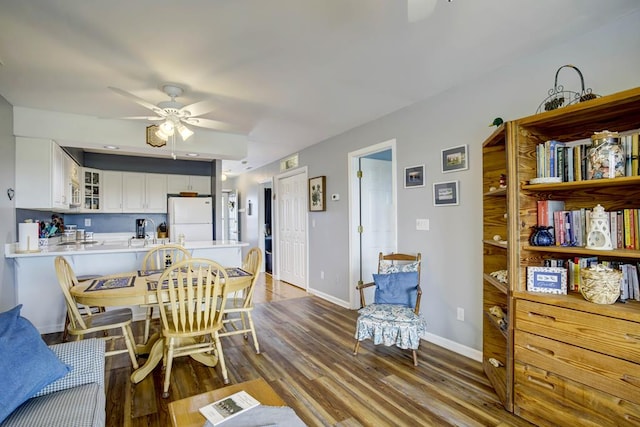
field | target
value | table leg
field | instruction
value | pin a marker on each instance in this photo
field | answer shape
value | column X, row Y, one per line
column 155, row 356
column 209, row 360
column 155, row 349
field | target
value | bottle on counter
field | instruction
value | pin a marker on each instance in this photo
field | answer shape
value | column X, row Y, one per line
column 181, row 239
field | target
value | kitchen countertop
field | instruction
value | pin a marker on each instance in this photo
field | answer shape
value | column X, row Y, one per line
column 112, row 243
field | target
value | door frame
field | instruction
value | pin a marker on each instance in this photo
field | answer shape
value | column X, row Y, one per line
column 262, row 202
column 275, row 242
column 354, row 202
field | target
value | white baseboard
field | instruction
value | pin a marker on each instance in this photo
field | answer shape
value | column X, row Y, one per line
column 463, row 350
column 327, row 297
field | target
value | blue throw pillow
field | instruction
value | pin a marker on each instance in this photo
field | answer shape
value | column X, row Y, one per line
column 26, row 363
column 396, row 288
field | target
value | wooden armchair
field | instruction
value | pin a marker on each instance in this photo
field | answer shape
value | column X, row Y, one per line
column 394, row 316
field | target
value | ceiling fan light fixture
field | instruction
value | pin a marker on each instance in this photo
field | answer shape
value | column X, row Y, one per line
column 165, row 130
column 184, row 131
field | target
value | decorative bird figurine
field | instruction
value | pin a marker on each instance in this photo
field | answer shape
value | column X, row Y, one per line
column 497, row 122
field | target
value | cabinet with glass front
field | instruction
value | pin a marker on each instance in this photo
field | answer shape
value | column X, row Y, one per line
column 92, row 181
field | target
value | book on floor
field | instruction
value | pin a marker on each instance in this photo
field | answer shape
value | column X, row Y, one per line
column 228, row 407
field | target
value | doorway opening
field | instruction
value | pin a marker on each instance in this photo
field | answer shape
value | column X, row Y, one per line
column 372, row 211
column 268, row 246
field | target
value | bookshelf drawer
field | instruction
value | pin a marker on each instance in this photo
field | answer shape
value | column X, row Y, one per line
column 600, row 371
column 614, row 337
column 544, row 398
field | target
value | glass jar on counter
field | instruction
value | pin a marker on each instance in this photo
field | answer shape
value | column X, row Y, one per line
column 606, row 156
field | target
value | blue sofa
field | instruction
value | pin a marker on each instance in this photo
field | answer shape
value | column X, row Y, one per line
column 77, row 399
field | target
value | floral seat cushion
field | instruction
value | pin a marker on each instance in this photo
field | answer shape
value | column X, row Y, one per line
column 390, row 324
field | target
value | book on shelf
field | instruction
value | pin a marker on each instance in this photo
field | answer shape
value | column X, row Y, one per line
column 634, row 154
column 565, row 160
column 636, row 282
column 546, row 208
column 620, row 229
column 228, row 407
column 613, row 228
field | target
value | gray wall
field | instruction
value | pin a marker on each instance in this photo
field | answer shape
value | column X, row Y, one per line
column 7, row 207
column 451, row 250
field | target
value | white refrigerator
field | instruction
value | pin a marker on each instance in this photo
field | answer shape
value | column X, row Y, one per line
column 190, row 216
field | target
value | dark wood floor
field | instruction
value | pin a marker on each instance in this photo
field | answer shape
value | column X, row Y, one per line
column 306, row 356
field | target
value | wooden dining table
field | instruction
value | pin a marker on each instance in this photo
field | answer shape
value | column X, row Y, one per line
column 137, row 288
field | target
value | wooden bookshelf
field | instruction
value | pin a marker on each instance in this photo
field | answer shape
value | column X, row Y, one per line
column 562, row 351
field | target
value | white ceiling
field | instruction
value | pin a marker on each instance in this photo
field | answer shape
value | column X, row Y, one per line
column 292, row 72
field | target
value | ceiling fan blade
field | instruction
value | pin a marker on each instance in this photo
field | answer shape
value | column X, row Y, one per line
column 212, row 124
column 137, row 99
column 199, row 108
column 150, row 118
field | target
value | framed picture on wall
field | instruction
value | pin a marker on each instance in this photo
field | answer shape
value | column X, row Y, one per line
column 455, row 159
column 414, row 176
column 445, row 193
column 317, row 193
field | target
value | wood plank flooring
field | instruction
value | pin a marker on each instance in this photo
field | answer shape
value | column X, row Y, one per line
column 306, row 356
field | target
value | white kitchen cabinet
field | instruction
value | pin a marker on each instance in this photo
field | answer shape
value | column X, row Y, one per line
column 200, row 184
column 91, row 189
column 111, row 191
column 43, row 175
column 144, row 192
column 179, row 183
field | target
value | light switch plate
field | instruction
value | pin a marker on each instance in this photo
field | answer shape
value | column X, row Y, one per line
column 422, row 224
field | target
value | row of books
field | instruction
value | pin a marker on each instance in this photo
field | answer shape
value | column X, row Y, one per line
column 569, row 160
column 629, row 285
column 570, row 227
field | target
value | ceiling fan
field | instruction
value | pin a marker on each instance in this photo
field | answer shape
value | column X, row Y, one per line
column 175, row 115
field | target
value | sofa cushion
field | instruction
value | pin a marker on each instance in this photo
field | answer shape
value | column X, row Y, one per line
column 396, row 288
column 27, row 365
column 86, row 358
column 82, row 406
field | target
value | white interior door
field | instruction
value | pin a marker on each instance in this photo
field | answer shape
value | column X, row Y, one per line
column 372, row 212
column 378, row 213
column 291, row 220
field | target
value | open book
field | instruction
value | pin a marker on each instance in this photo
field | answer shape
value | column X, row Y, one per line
column 223, row 409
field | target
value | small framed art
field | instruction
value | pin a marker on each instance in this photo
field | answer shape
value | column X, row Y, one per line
column 445, row 193
column 455, row 159
column 414, row 176
column 317, row 193
column 551, row 280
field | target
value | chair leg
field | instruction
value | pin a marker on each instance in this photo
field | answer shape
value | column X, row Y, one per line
column 147, row 323
column 65, row 331
column 167, row 371
column 355, row 350
column 415, row 358
column 223, row 366
column 253, row 333
column 127, row 334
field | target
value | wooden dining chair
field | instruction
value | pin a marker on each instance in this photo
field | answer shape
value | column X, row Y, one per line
column 82, row 308
column 159, row 258
column 238, row 318
column 193, row 294
column 87, row 323
column 394, row 316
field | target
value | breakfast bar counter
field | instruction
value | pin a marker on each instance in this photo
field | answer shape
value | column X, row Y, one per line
column 36, row 286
